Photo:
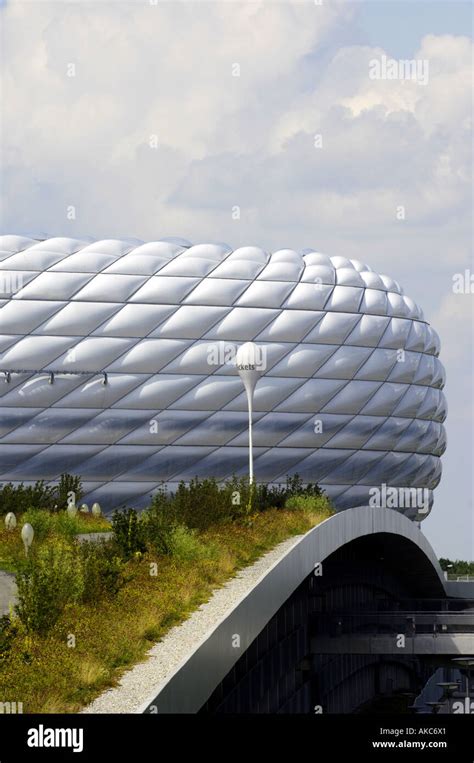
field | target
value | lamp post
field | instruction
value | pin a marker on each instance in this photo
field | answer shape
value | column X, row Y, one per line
column 10, row 521
column 248, row 361
column 27, row 535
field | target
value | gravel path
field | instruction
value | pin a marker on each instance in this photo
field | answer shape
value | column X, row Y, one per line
column 163, row 659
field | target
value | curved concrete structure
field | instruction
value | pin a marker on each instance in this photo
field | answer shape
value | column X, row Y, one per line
column 403, row 544
column 118, row 357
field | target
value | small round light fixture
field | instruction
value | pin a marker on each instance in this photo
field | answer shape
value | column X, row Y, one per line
column 10, row 521
column 27, row 535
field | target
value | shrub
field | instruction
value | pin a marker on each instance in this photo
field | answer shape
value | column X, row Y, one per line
column 203, row 503
column 159, row 523
column 61, row 523
column 65, row 525
column 8, row 631
column 19, row 498
column 269, row 497
column 310, row 503
column 47, row 580
column 200, row 504
column 58, row 573
column 128, row 529
column 70, row 486
column 103, row 571
column 41, row 522
column 185, row 546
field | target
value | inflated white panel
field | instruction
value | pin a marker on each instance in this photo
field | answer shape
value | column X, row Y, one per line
column 411, row 401
column 333, row 328
column 220, row 291
column 303, row 361
column 110, row 287
column 14, row 319
column 55, row 286
column 406, row 367
column 169, row 426
column 352, row 398
column 281, row 271
column 265, row 294
column 389, row 432
column 309, row 296
column 378, row 365
column 94, row 394
column 35, row 352
column 92, row 354
column 374, row 302
column 233, row 268
column 287, row 255
column 148, row 356
column 311, row 396
column 242, row 324
column 188, row 266
column 74, row 319
column 368, row 331
column 344, row 363
column 271, row 428
column 157, row 392
column 212, row 252
column 135, row 320
column 345, row 298
column 384, row 401
column 282, row 330
column 190, row 321
column 348, row 277
column 250, row 253
column 32, row 260
column 169, row 291
column 37, row 391
column 77, row 263
column 321, row 274
column 210, row 394
column 316, row 258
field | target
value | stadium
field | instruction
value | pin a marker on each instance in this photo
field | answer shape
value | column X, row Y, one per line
column 118, row 361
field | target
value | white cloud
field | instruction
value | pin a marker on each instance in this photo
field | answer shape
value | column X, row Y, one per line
column 166, row 70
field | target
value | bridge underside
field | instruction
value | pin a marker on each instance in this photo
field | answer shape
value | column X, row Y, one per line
column 374, row 622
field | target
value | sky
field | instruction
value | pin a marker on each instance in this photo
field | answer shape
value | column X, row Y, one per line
column 258, row 123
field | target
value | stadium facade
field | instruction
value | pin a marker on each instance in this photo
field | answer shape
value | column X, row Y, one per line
column 117, row 360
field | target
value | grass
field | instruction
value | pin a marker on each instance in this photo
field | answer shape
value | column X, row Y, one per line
column 46, row 525
column 90, row 646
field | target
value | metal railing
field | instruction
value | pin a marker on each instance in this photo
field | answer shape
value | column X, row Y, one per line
column 385, row 623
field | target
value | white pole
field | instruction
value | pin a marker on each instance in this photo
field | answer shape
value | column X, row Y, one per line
column 249, row 397
column 250, row 363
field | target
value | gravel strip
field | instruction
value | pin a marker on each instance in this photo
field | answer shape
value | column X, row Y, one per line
column 163, row 659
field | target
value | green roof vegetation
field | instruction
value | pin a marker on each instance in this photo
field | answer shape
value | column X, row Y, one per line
column 88, row 610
